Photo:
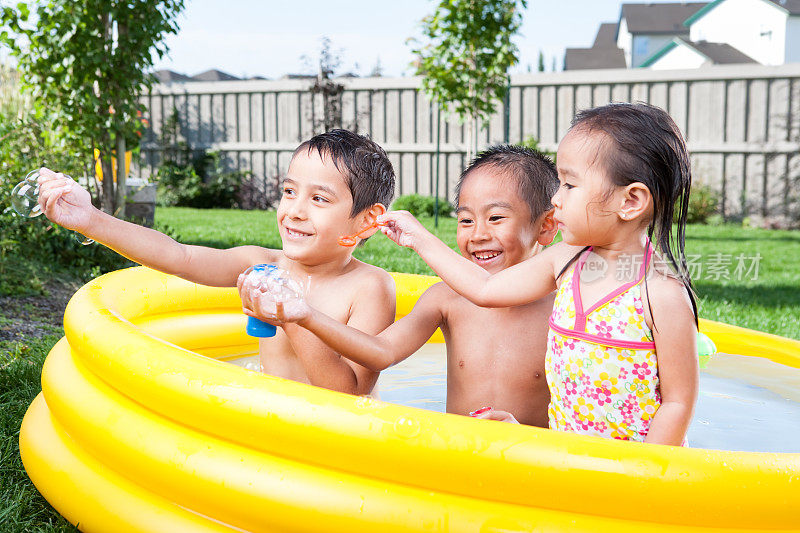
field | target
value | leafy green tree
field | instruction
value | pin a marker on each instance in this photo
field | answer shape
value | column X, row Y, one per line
column 86, row 62
column 540, row 66
column 465, row 57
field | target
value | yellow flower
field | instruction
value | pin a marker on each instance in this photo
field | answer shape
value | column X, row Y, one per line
column 607, row 382
column 583, row 409
column 649, row 408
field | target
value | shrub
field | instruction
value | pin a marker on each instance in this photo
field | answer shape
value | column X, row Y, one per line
column 703, row 203
column 190, row 178
column 419, row 205
column 533, row 143
column 255, row 193
column 203, row 183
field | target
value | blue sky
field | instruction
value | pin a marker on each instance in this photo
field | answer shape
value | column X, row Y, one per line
column 268, row 38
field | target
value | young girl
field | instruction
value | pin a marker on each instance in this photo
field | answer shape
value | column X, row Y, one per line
column 621, row 359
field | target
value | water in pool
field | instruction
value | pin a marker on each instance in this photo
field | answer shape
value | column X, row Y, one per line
column 745, row 403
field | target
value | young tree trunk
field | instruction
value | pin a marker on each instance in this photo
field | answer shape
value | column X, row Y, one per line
column 471, row 133
column 104, row 145
column 107, row 197
column 122, row 173
column 470, row 151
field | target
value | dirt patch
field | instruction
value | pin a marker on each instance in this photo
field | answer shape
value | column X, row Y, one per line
column 35, row 316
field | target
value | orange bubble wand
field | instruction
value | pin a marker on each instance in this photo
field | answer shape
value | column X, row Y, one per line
column 352, row 240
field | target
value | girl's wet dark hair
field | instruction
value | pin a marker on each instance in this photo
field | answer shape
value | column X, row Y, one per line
column 646, row 146
column 367, row 170
column 534, row 172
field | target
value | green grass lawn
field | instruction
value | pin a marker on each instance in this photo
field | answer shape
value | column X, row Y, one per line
column 22, row 508
column 770, row 303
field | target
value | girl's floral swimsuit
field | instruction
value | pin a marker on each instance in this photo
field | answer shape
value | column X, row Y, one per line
column 601, row 363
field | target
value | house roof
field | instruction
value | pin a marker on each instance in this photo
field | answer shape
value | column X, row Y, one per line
column 594, row 58
column 214, row 75
column 660, row 18
column 720, row 53
column 606, row 35
column 716, row 53
column 170, row 76
column 792, row 7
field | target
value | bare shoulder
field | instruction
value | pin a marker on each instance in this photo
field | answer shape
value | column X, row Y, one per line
column 668, row 297
column 252, row 255
column 444, row 296
column 371, row 279
column 560, row 254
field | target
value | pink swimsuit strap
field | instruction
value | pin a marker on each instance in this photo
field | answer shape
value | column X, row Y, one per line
column 579, row 329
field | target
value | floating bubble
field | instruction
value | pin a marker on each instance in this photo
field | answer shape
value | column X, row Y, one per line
column 25, row 201
column 25, row 196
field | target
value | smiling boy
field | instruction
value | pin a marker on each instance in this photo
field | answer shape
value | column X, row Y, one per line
column 495, row 357
column 337, row 184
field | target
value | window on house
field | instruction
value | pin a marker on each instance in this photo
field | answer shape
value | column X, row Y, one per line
column 641, row 46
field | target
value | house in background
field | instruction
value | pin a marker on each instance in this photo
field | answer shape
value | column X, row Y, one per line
column 170, row 76
column 766, row 31
column 214, row 75
column 604, row 53
column 646, row 28
column 680, row 53
column 642, row 29
column 681, row 35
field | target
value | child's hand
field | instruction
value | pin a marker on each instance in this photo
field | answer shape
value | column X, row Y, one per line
column 402, row 228
column 492, row 414
column 271, row 303
column 64, row 201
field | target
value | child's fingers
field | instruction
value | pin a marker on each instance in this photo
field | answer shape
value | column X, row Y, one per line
column 49, row 200
column 279, row 311
column 47, row 174
column 261, row 305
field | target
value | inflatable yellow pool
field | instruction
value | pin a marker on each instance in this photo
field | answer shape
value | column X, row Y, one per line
column 141, row 427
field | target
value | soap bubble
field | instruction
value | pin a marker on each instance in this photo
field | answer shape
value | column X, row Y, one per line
column 276, row 282
column 25, row 196
column 25, row 200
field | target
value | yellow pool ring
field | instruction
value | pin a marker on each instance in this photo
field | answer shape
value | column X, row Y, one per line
column 141, row 428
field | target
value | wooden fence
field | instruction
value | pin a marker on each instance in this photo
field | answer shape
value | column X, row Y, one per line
column 742, row 124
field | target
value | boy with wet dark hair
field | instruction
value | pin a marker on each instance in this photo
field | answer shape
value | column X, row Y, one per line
column 526, row 166
column 337, row 184
column 495, row 357
column 367, row 170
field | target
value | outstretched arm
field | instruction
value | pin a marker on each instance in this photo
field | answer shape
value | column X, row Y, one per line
column 522, row 283
column 389, row 347
column 66, row 203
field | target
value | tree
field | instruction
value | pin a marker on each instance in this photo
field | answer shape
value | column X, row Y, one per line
column 377, row 69
column 86, row 62
column 466, row 56
column 540, row 67
column 324, row 85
